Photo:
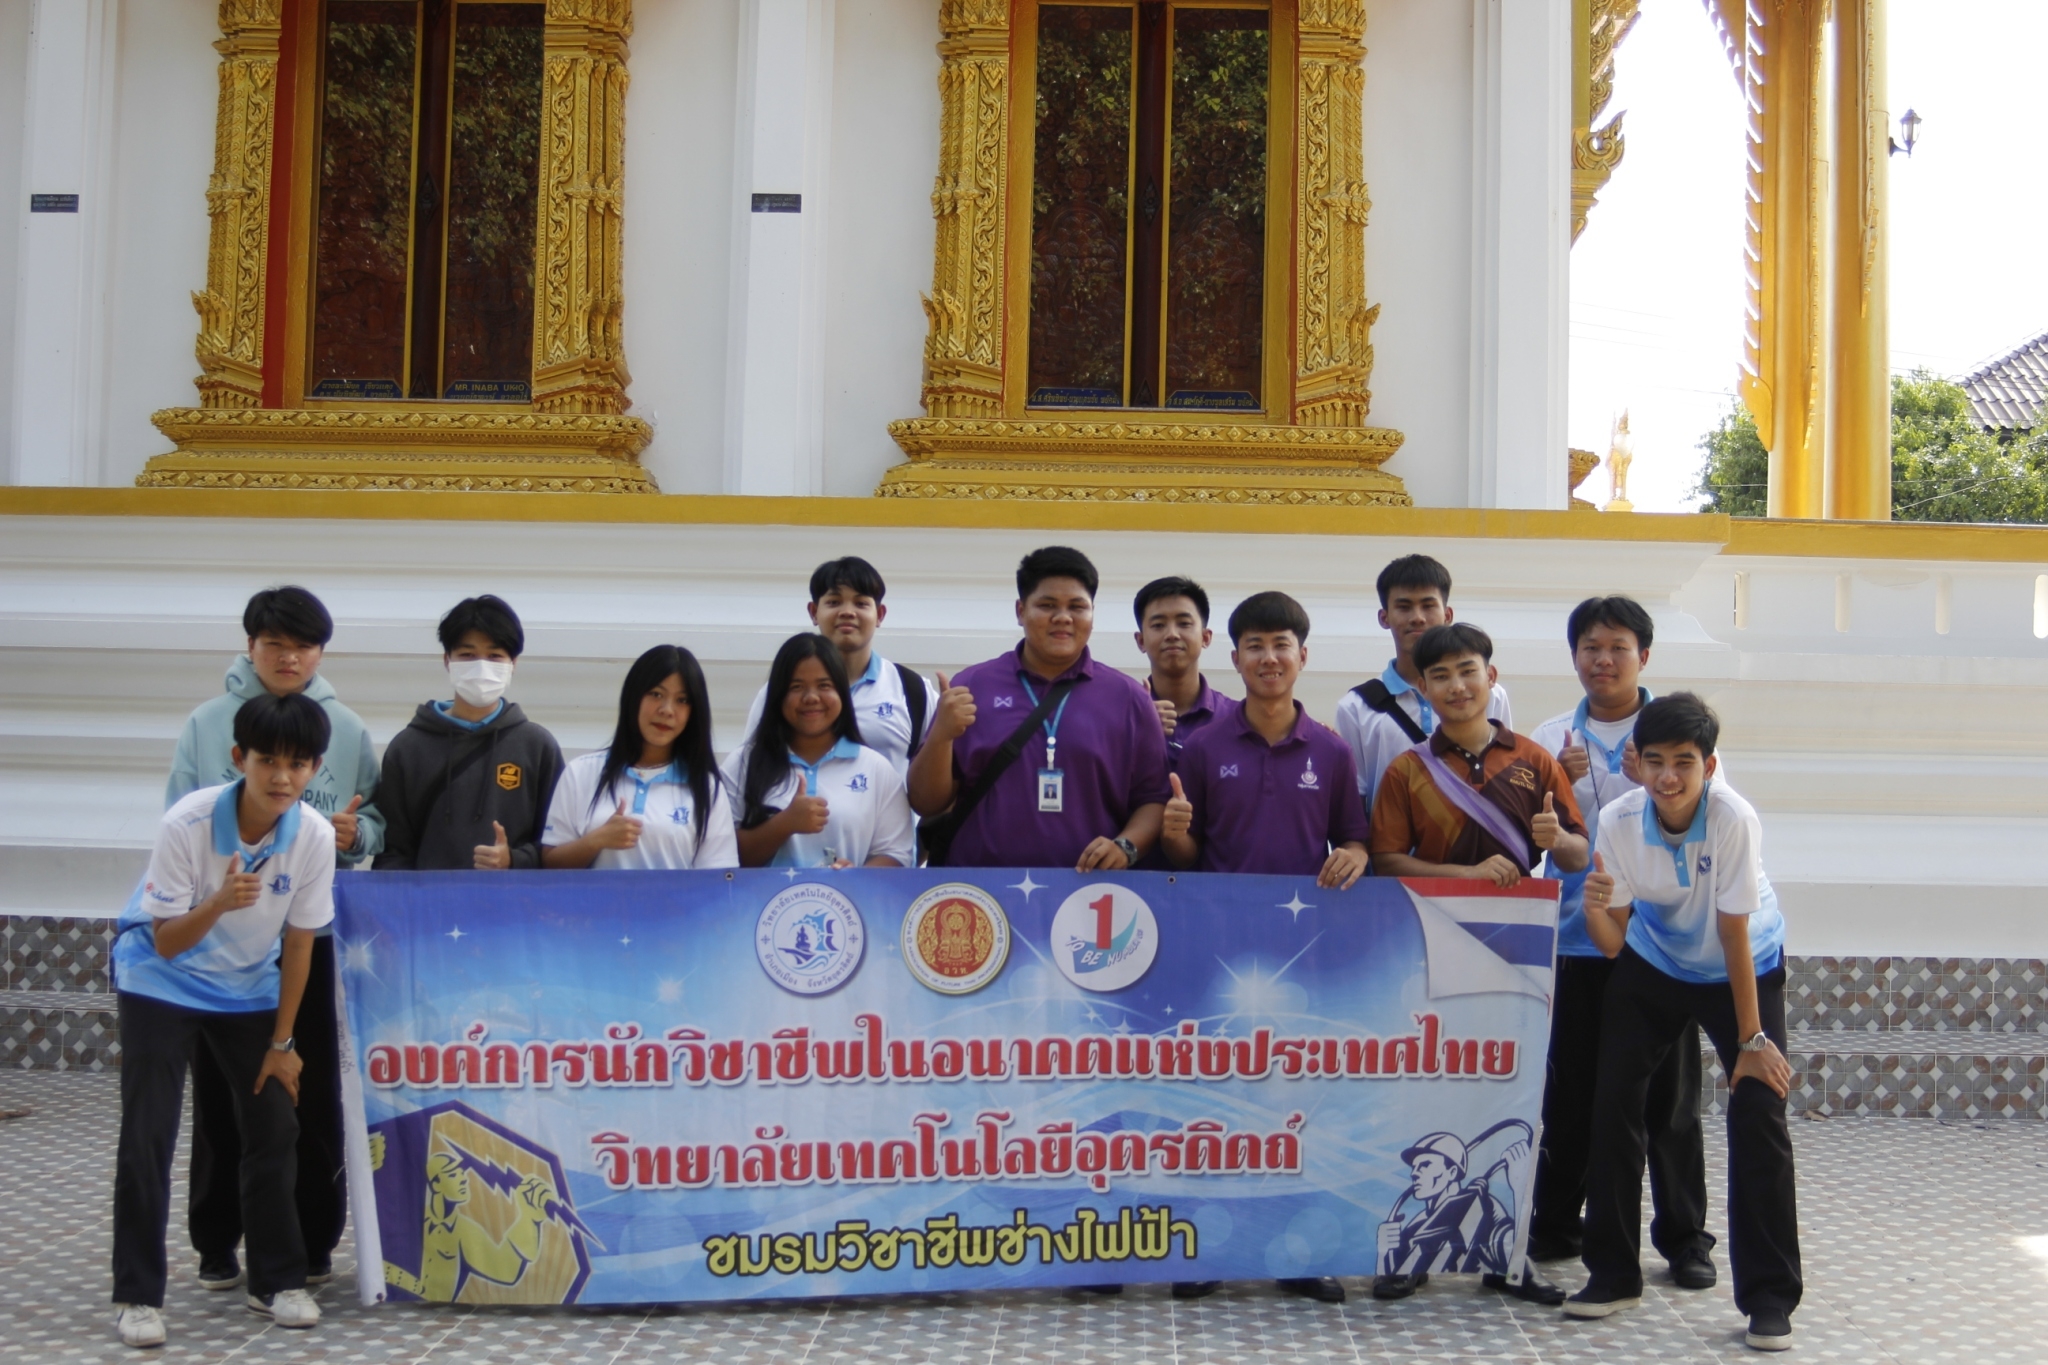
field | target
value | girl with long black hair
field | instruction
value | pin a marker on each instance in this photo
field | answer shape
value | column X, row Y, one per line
column 652, row 799
column 805, row 791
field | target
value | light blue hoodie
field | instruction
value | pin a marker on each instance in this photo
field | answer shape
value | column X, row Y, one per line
column 205, row 745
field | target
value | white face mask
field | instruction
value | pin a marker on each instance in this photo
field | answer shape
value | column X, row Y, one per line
column 480, row 682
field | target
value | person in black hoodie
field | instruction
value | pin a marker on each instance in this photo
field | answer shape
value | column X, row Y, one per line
column 467, row 783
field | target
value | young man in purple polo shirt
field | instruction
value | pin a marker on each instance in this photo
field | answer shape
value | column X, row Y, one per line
column 1267, row 789
column 1087, row 786
column 1173, row 630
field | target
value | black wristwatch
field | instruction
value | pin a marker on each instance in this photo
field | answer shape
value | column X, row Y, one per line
column 1130, row 850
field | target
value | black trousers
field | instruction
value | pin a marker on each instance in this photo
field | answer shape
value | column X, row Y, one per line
column 1671, row 1120
column 156, row 1039
column 1646, row 1011
column 214, row 1213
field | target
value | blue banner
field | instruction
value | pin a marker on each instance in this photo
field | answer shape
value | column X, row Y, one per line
column 632, row 1087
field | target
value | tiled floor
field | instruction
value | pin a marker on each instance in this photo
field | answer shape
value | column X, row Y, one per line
column 1924, row 1241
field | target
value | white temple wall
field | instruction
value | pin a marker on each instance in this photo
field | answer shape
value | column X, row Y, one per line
column 14, row 192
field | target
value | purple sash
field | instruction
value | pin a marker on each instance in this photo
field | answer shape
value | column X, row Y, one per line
column 1490, row 817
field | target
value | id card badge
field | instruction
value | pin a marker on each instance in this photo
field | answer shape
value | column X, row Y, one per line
column 1052, row 786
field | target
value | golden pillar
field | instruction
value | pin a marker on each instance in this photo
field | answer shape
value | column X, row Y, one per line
column 1815, row 369
column 963, row 349
column 579, row 358
column 1334, row 325
column 230, row 345
column 1859, row 430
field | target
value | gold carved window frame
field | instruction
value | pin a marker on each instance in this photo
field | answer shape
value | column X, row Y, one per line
column 1309, row 444
column 574, row 436
column 1276, row 357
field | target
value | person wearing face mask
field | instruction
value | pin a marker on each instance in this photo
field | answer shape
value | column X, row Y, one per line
column 468, row 782
column 805, row 790
column 650, row 800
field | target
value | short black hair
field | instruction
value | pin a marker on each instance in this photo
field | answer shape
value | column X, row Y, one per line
column 1414, row 571
column 1447, row 642
column 291, row 612
column 850, row 571
column 1160, row 588
column 1055, row 561
column 1616, row 613
column 491, row 617
column 1678, row 718
column 1269, row 611
column 291, row 726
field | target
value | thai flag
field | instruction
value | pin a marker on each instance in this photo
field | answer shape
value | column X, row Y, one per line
column 1485, row 939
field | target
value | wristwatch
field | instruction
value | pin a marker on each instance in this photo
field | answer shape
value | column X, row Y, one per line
column 1130, row 850
column 1761, row 1041
column 287, row 1045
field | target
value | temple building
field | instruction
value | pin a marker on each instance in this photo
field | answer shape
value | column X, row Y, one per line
column 633, row 312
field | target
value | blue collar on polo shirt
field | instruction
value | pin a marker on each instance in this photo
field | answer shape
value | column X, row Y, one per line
column 1612, row 757
column 676, row 772
column 227, row 827
column 447, row 710
column 1396, row 685
column 872, row 673
column 1653, row 832
column 844, row 748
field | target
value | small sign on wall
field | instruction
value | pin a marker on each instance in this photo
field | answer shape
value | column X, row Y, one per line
column 53, row 203
column 778, row 203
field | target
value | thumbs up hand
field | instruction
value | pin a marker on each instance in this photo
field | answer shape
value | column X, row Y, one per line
column 1544, row 828
column 494, row 857
column 346, row 826
column 956, row 712
column 1180, row 812
column 1573, row 758
column 622, row 830
column 240, row 889
column 1599, row 886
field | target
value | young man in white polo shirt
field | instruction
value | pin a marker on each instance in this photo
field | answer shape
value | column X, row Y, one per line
column 199, row 962
column 892, row 703
column 1679, row 898
column 1384, row 717
column 1610, row 639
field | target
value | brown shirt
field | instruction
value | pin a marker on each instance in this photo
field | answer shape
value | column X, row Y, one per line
column 1409, row 814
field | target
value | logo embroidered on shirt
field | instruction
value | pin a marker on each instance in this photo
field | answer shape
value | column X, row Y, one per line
column 679, row 815
column 1706, row 863
column 1227, row 770
column 1308, row 776
column 859, row 783
column 1004, row 701
column 508, row 776
column 1523, row 776
column 281, row 884
column 885, row 710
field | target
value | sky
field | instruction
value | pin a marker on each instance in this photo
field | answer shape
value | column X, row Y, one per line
column 1656, row 283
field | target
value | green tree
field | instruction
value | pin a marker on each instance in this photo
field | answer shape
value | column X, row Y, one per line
column 1944, row 466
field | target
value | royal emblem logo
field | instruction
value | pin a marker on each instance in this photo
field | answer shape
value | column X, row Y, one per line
column 1308, row 776
column 955, row 938
column 809, row 939
column 1104, row 937
column 508, row 776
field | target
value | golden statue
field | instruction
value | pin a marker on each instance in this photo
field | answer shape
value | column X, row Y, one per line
column 1620, row 455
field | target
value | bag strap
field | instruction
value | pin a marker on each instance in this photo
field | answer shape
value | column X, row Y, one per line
column 941, row 828
column 1374, row 693
column 916, row 701
column 442, row 780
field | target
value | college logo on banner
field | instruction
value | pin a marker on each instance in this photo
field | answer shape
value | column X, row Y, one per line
column 1104, row 937
column 809, row 939
column 955, row 938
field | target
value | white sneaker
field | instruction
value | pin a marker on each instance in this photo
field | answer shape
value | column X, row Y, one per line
column 287, row 1308
column 140, row 1325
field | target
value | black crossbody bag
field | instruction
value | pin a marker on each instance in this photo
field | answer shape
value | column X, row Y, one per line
column 1374, row 693
column 937, row 833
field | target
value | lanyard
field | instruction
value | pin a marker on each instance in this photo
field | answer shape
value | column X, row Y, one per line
column 672, row 773
column 1051, row 723
column 1612, row 758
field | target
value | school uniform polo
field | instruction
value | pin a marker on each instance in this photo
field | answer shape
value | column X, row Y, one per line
column 868, row 811
column 1275, row 808
column 667, row 808
column 1679, row 888
column 234, row 968
column 1376, row 740
column 1110, row 750
column 880, row 708
column 1604, row 783
column 1210, row 706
